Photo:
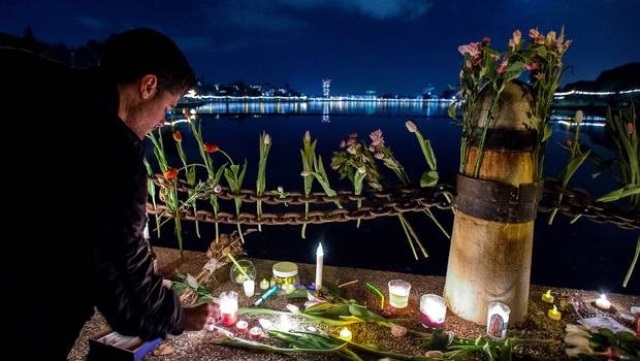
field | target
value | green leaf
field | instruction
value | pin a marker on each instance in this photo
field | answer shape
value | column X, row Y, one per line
column 429, row 179
column 327, row 309
column 572, row 167
column 546, row 133
column 452, row 110
column 620, row 193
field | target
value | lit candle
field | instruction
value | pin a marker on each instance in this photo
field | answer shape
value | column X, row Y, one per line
column 433, row 310
column 346, row 334
column 242, row 326
column 229, row 308
column 399, row 293
column 319, row 259
column 255, row 332
column 603, row 303
column 547, row 297
column 249, row 287
column 497, row 319
column 286, row 324
column 264, row 284
column 554, row 314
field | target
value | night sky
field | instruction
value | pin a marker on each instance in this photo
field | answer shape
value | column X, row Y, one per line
column 395, row 46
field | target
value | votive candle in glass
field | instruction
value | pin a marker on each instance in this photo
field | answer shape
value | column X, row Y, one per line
column 229, row 307
column 399, row 293
column 249, row 287
column 433, row 310
column 498, row 319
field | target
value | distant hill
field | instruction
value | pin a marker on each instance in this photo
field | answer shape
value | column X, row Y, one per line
column 624, row 77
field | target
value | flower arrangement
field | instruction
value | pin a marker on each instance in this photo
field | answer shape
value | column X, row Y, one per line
column 487, row 70
column 357, row 162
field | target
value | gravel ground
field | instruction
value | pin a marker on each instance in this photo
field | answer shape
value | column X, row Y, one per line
column 198, row 346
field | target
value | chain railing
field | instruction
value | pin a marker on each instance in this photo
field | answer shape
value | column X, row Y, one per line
column 576, row 203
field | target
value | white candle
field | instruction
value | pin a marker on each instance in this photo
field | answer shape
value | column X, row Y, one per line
column 399, row 293
column 497, row 319
column 319, row 259
column 249, row 287
column 229, row 307
column 603, row 303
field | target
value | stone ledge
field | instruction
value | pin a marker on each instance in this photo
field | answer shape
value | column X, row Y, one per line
column 194, row 345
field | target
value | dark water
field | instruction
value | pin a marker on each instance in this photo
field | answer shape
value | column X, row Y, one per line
column 584, row 255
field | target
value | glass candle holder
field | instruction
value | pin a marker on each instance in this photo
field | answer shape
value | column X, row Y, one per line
column 399, row 293
column 433, row 310
column 249, row 287
column 229, row 307
column 237, row 276
column 497, row 319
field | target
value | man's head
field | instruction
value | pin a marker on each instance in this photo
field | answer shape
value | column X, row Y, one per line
column 151, row 73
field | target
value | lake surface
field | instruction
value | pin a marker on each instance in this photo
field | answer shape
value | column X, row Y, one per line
column 584, row 255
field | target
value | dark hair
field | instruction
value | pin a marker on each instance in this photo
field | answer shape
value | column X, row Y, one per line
column 134, row 53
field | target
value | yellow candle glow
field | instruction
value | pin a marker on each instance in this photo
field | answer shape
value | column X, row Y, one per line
column 346, row 334
column 554, row 314
column 547, row 297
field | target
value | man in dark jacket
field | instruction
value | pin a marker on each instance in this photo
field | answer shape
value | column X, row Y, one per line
column 88, row 191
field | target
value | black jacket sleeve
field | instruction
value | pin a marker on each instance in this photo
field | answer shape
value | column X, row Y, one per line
column 127, row 291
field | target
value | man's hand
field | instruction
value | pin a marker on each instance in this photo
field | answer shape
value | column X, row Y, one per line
column 201, row 317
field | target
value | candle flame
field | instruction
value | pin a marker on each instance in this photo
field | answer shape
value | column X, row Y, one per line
column 345, row 333
column 548, row 293
column 555, row 309
column 319, row 252
column 603, row 297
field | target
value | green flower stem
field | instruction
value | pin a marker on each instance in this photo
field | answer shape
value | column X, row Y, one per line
column 261, row 181
column 238, row 266
column 633, row 264
column 377, row 291
column 435, row 220
column 316, row 319
column 406, row 233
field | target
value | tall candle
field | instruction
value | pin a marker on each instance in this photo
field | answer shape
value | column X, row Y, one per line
column 229, row 308
column 319, row 259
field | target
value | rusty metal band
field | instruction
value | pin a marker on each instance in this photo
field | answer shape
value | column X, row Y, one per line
column 498, row 202
column 510, row 139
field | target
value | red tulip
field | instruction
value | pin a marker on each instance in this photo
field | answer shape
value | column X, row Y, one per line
column 170, row 174
column 210, row 147
column 177, row 136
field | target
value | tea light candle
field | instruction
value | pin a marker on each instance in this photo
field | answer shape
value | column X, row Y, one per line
column 242, row 326
column 264, row 284
column 497, row 319
column 547, row 297
column 229, row 308
column 603, row 303
column 433, row 310
column 255, row 332
column 554, row 314
column 346, row 334
column 319, row 263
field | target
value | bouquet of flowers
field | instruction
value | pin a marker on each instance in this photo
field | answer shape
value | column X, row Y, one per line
column 487, row 70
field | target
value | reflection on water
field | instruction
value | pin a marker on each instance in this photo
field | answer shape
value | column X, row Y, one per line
column 327, row 108
column 581, row 255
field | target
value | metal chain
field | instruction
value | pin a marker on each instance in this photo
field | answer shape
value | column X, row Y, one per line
column 343, row 207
